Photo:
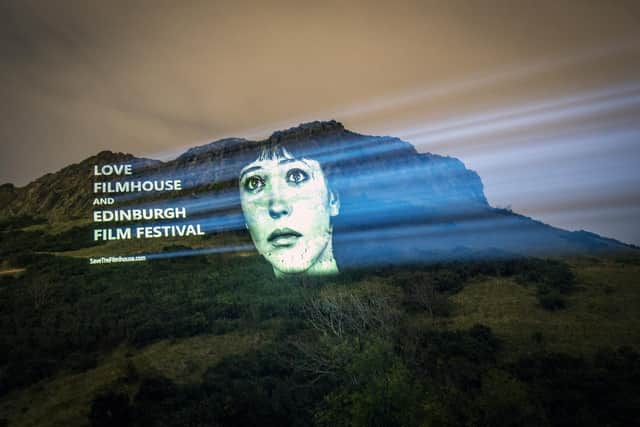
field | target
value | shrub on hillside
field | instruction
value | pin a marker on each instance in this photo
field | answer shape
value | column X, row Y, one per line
column 111, row 408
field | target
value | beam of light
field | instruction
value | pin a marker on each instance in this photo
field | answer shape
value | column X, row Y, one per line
column 567, row 133
column 562, row 150
column 483, row 237
column 571, row 150
column 471, row 227
column 213, row 224
column 444, row 238
column 204, row 203
column 514, row 73
column 432, row 92
column 535, row 114
column 204, row 251
column 506, row 120
column 448, row 89
column 332, row 151
column 398, row 203
column 387, row 217
column 614, row 217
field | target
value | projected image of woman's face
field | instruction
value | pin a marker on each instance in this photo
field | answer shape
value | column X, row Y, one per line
column 287, row 207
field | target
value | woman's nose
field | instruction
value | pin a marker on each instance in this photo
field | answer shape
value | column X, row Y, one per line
column 278, row 206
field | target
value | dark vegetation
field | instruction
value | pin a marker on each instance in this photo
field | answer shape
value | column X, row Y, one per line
column 16, row 245
column 346, row 351
column 18, row 223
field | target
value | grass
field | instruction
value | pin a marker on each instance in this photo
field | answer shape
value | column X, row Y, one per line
column 601, row 312
column 65, row 399
column 58, row 227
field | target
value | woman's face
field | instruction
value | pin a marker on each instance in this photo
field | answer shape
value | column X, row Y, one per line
column 287, row 208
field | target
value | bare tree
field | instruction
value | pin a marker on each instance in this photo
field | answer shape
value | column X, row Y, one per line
column 349, row 313
column 346, row 321
column 422, row 291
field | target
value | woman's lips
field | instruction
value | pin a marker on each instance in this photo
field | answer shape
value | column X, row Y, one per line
column 283, row 237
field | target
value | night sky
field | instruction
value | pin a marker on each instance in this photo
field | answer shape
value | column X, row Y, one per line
column 541, row 98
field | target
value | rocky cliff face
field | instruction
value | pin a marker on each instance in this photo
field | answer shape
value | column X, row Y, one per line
column 367, row 167
column 66, row 194
column 397, row 205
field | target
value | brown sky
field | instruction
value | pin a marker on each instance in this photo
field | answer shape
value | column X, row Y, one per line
column 156, row 77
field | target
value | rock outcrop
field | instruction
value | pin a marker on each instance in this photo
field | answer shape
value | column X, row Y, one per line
column 66, row 194
column 397, row 204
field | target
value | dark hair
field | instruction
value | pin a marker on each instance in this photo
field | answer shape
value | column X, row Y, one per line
column 299, row 149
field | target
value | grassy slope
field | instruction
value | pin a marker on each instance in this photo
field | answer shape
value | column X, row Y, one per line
column 65, row 399
column 58, row 227
column 602, row 311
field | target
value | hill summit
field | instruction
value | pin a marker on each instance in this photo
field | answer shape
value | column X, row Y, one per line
column 394, row 199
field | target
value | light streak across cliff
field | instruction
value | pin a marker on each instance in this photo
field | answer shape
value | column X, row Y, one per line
column 592, row 134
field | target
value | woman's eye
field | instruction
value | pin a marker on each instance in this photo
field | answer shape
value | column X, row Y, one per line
column 253, row 183
column 297, row 176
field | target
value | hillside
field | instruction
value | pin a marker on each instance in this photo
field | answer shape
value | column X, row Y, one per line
column 447, row 311
column 63, row 195
column 67, row 193
column 452, row 343
column 416, row 206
